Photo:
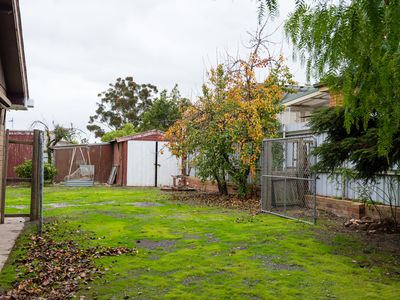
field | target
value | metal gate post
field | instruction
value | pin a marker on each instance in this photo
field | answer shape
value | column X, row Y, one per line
column 285, row 180
column 314, row 180
column 34, row 212
column 41, row 181
column 262, row 179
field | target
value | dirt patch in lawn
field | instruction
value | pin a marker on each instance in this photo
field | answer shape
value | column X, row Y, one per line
column 151, row 245
column 272, row 262
column 387, row 242
column 114, row 214
column 213, row 199
column 64, row 205
column 145, row 204
column 211, row 238
column 192, row 280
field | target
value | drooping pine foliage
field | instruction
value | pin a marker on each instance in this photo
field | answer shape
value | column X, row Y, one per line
column 354, row 47
column 357, row 147
column 267, row 7
column 270, row 8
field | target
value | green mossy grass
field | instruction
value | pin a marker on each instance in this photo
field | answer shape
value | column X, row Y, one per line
column 189, row 251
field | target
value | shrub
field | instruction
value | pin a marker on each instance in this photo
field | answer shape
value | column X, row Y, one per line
column 24, row 170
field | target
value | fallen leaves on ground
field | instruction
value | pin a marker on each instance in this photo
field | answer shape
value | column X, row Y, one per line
column 55, row 269
column 213, row 199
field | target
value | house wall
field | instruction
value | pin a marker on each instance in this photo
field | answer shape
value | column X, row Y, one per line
column 101, row 156
column 336, row 187
column 289, row 117
column 2, row 79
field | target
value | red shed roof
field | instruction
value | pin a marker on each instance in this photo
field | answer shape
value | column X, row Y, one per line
column 151, row 135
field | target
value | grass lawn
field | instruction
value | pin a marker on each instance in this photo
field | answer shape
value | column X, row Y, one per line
column 190, row 251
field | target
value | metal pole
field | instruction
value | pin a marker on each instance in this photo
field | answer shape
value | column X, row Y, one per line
column 262, row 178
column 34, row 213
column 286, row 217
column 41, row 181
column 156, row 167
column 285, row 172
column 314, row 175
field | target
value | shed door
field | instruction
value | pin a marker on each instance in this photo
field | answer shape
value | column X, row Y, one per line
column 140, row 163
column 168, row 165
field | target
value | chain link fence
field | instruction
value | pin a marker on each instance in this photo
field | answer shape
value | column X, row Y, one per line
column 288, row 185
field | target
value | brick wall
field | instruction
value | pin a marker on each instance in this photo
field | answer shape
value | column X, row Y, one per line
column 207, row 186
column 372, row 211
column 350, row 209
column 340, row 208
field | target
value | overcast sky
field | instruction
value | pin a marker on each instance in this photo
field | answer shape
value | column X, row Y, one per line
column 75, row 48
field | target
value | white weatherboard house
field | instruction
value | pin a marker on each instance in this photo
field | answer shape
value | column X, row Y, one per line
column 300, row 106
column 298, row 109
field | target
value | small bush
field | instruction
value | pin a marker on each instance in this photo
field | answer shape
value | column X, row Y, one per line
column 24, row 170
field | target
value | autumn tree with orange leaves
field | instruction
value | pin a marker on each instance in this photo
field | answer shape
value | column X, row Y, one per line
column 223, row 130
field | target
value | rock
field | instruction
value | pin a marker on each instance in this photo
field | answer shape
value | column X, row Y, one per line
column 353, row 226
column 363, row 226
column 374, row 226
column 347, row 223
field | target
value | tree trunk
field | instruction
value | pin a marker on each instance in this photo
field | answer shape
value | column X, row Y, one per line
column 240, row 179
column 49, row 155
column 221, row 183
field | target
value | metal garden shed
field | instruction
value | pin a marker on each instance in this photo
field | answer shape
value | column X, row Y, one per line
column 144, row 160
column 138, row 160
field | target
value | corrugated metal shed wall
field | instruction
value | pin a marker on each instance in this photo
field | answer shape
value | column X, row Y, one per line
column 121, row 151
column 17, row 154
column 101, row 156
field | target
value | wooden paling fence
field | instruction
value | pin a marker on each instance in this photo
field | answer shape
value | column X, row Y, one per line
column 36, row 181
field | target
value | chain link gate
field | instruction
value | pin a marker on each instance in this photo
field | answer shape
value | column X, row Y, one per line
column 288, row 186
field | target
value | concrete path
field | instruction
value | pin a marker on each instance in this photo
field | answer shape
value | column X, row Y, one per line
column 8, row 234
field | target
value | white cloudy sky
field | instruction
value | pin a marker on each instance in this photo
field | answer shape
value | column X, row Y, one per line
column 75, row 48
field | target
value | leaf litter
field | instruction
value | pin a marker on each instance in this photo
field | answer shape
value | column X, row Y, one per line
column 214, row 199
column 57, row 269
